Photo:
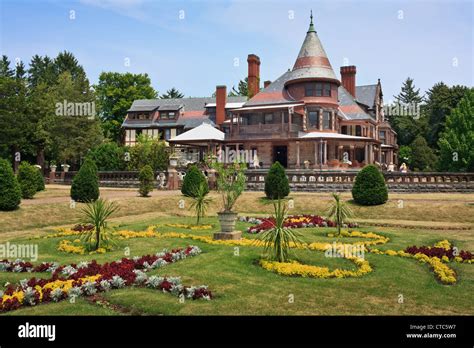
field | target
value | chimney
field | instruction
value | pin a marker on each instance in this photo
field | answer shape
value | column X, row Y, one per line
column 348, row 79
column 254, row 75
column 221, row 96
column 266, row 83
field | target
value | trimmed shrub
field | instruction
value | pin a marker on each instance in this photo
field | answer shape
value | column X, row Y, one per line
column 276, row 182
column 27, row 178
column 108, row 156
column 192, row 180
column 146, row 177
column 85, row 185
column 10, row 192
column 369, row 187
column 39, row 180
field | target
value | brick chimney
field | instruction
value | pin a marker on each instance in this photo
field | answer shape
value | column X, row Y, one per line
column 254, row 74
column 221, row 96
column 348, row 78
column 266, row 83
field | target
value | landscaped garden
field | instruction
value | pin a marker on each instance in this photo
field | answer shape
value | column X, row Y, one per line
column 416, row 257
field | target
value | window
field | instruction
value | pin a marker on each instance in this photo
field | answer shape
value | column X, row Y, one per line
column 382, row 137
column 327, row 120
column 344, row 130
column 165, row 115
column 268, row 118
column 358, row 131
column 313, row 119
column 318, row 89
column 167, row 134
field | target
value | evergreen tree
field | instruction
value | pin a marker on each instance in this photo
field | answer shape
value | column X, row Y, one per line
column 192, row 181
column 409, row 94
column 146, row 178
column 5, row 70
column 369, row 187
column 276, row 182
column 39, row 180
column 172, row 93
column 423, row 157
column 457, row 141
column 28, row 180
column 85, row 185
column 10, row 192
column 242, row 89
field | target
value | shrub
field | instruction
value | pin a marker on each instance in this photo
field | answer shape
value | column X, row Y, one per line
column 96, row 214
column 192, row 180
column 369, row 187
column 108, row 156
column 276, row 182
column 200, row 201
column 230, row 182
column 149, row 151
column 27, row 178
column 10, row 192
column 85, row 185
column 146, row 177
column 339, row 211
column 39, row 180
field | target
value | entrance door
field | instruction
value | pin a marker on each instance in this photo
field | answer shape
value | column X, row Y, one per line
column 280, row 155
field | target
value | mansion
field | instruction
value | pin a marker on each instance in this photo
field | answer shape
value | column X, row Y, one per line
column 307, row 118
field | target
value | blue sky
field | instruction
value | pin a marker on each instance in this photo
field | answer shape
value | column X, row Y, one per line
column 195, row 45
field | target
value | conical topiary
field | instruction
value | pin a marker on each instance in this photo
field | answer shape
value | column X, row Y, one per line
column 10, row 192
column 192, row 181
column 27, row 179
column 276, row 182
column 39, row 180
column 85, row 185
column 146, row 177
column 369, row 187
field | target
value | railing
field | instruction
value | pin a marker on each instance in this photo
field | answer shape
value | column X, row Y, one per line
column 305, row 180
column 263, row 130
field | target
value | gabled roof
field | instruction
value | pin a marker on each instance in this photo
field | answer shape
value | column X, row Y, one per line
column 274, row 93
column 204, row 132
column 349, row 107
column 366, row 94
column 189, row 104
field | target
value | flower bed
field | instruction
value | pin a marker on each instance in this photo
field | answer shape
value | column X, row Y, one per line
column 190, row 227
column 88, row 278
column 295, row 221
column 442, row 250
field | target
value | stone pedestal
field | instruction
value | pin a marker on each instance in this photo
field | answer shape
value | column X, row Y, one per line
column 236, row 235
column 173, row 180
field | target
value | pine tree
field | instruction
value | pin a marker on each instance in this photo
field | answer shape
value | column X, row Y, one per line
column 457, row 141
column 423, row 157
column 409, row 93
column 242, row 89
column 85, row 185
column 172, row 93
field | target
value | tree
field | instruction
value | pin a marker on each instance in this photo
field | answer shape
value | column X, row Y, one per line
column 28, row 180
column 457, row 140
column 172, row 93
column 440, row 102
column 192, row 181
column 423, row 157
column 148, row 151
column 339, row 211
column 146, row 177
column 85, row 185
column 97, row 213
column 409, row 94
column 108, row 156
column 242, row 89
column 39, row 180
column 5, row 70
column 200, row 201
column 115, row 94
column 276, row 182
column 10, row 192
column 369, row 187
column 405, row 155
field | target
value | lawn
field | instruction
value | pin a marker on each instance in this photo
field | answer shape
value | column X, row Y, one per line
column 239, row 284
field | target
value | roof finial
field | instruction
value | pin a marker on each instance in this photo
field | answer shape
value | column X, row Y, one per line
column 311, row 25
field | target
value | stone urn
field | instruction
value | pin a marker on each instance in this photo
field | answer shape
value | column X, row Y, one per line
column 53, row 168
column 65, row 167
column 227, row 220
column 174, row 160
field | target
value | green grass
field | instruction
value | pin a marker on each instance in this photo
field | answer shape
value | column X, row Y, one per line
column 240, row 286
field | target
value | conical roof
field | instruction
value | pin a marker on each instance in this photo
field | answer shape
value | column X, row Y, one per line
column 312, row 61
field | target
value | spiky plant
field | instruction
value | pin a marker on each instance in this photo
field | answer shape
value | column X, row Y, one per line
column 339, row 211
column 278, row 239
column 200, row 201
column 97, row 213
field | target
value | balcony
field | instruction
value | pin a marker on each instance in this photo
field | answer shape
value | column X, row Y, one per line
column 270, row 131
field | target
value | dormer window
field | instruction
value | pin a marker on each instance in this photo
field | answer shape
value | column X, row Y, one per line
column 317, row 89
column 167, row 115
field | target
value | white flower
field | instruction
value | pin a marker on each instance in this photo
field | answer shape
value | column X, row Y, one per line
column 29, row 296
column 56, row 294
column 105, row 285
column 117, row 282
column 17, row 268
column 141, row 276
column 75, row 291
column 82, row 264
column 154, row 282
column 89, row 288
column 68, row 270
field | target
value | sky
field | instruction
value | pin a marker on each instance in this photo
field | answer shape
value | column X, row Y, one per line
column 196, row 45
